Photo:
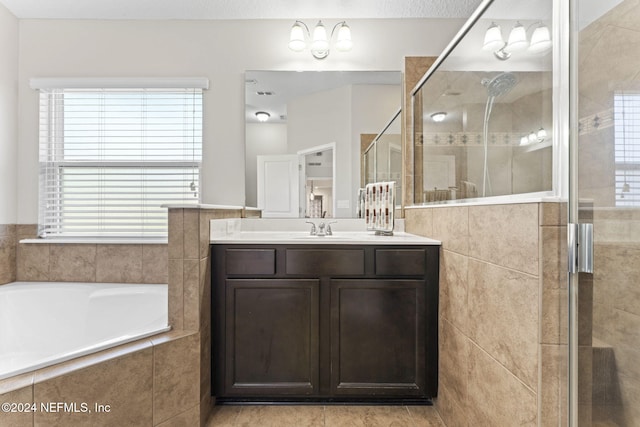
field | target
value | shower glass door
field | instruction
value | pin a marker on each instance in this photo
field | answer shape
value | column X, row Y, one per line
column 606, row 144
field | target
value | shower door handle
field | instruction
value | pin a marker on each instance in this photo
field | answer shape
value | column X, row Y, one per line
column 580, row 247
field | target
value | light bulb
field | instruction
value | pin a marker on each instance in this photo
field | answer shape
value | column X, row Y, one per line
column 533, row 137
column 320, row 43
column 524, row 140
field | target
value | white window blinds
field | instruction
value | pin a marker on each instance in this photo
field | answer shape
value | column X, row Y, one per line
column 109, row 158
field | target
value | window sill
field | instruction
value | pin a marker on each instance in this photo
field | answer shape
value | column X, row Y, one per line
column 99, row 240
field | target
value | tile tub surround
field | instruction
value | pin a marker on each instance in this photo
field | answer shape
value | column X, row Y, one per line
column 190, row 284
column 88, row 262
column 7, row 253
column 149, row 382
column 502, row 348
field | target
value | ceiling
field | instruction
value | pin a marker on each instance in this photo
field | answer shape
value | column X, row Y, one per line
column 238, row 9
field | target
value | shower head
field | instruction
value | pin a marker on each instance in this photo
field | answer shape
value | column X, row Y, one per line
column 500, row 84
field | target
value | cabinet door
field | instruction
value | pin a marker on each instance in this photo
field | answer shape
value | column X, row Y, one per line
column 377, row 337
column 271, row 337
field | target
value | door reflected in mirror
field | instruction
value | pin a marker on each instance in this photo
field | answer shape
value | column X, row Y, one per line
column 311, row 138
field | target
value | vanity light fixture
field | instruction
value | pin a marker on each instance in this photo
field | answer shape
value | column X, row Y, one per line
column 319, row 45
column 517, row 41
column 262, row 116
column 534, row 137
column 439, row 116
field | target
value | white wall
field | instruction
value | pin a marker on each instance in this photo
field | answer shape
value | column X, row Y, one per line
column 219, row 50
column 8, row 116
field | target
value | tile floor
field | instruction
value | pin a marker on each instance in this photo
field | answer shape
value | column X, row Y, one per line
column 329, row 416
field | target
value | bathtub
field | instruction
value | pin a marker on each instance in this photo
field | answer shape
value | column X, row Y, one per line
column 44, row 323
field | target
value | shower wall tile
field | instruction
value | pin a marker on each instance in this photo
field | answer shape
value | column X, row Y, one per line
column 32, row 262
column 17, row 419
column 496, row 397
column 505, row 235
column 503, row 317
column 119, row 263
column 454, row 360
column 125, row 383
column 72, row 263
column 454, row 270
column 553, row 381
column 553, row 214
column 452, row 227
column 454, row 413
column 176, row 377
column 154, row 264
column 419, row 221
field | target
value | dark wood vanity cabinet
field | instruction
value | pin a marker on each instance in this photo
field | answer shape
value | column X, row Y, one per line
column 318, row 322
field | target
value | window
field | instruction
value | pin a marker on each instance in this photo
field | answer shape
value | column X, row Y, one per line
column 111, row 157
column 626, row 119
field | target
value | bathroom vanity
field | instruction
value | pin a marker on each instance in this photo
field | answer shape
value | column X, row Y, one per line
column 350, row 316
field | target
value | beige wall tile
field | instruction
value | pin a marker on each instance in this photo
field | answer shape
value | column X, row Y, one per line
column 452, row 227
column 553, row 257
column 191, row 234
column 553, row 316
column 176, row 293
column 72, row 263
column 8, row 230
column 119, row 263
column 176, row 233
column 189, row 418
column 191, row 291
column 8, row 255
column 454, row 361
column 419, row 221
column 32, row 263
column 453, row 412
column 155, row 264
column 454, row 289
column 124, row 383
column 17, row 419
column 503, row 317
column 16, row 382
column 553, row 214
column 176, row 377
column 205, row 328
column 506, row 235
column 496, row 397
column 553, row 385
column 425, row 416
column 27, row 231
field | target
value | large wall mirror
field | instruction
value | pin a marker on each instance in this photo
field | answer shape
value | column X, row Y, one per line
column 303, row 137
column 483, row 122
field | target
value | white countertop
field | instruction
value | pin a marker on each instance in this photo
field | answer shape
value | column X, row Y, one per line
column 295, row 231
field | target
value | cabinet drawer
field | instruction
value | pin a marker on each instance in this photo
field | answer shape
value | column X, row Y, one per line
column 324, row 262
column 400, row 262
column 251, row 261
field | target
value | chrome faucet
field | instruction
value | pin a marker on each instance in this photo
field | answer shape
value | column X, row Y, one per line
column 313, row 228
column 322, row 229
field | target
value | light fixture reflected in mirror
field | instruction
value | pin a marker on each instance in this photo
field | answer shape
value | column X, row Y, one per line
column 517, row 41
column 439, row 116
column 262, row 116
column 320, row 42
